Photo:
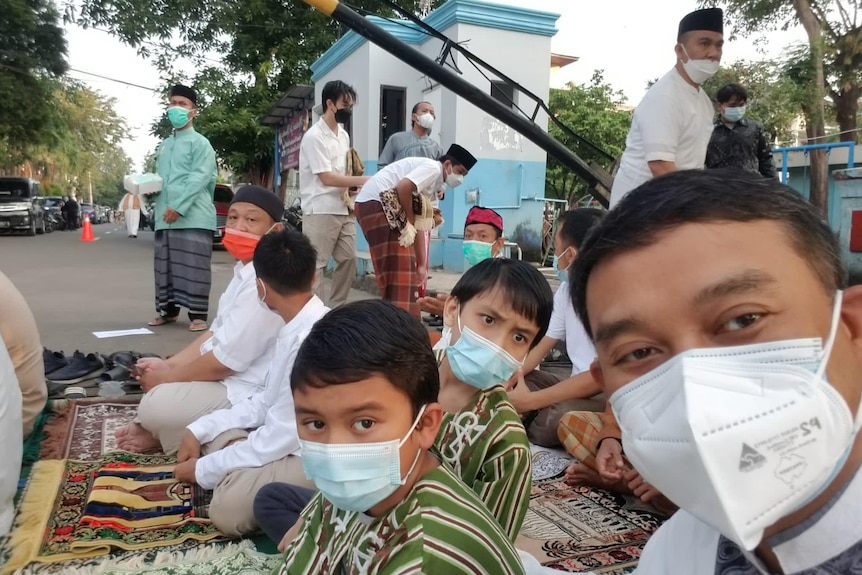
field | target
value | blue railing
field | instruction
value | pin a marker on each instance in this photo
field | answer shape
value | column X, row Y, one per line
column 851, row 146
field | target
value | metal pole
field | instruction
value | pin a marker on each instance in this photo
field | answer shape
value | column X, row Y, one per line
column 599, row 185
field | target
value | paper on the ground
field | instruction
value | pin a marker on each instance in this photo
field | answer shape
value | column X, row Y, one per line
column 121, row 332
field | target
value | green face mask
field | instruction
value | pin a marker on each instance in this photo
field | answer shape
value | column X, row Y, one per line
column 475, row 251
column 178, row 116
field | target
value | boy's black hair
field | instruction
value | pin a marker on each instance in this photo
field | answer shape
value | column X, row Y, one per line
column 526, row 290
column 706, row 196
column 573, row 225
column 286, row 261
column 335, row 89
column 730, row 91
column 366, row 338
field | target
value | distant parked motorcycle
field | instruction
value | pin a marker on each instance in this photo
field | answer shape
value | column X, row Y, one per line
column 293, row 216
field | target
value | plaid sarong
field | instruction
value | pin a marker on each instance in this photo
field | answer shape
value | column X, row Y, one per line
column 394, row 265
column 182, row 269
column 579, row 433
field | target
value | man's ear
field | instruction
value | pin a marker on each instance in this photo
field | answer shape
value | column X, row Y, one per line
column 498, row 245
column 598, row 376
column 429, row 425
column 851, row 313
column 450, row 312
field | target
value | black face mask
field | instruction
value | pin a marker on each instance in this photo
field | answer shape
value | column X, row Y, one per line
column 342, row 116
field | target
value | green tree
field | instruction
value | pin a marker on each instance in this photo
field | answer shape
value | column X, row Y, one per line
column 249, row 52
column 774, row 99
column 596, row 112
column 833, row 30
column 32, row 55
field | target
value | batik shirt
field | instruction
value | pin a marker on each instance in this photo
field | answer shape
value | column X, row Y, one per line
column 743, row 146
column 487, row 447
column 441, row 527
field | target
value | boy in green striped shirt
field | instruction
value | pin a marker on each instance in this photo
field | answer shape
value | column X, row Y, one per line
column 498, row 311
column 365, row 390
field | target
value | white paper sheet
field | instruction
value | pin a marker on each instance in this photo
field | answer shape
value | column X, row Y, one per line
column 122, row 332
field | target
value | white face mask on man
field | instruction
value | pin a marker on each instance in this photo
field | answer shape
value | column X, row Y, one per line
column 739, row 436
column 699, row 70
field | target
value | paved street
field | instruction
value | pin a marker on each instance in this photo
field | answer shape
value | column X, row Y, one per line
column 76, row 288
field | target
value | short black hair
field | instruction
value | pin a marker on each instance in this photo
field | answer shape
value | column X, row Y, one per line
column 451, row 159
column 573, row 225
column 365, row 338
column 286, row 261
column 706, row 196
column 730, row 91
column 524, row 287
column 335, row 89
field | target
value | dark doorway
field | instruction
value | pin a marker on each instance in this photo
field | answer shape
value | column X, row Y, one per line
column 393, row 112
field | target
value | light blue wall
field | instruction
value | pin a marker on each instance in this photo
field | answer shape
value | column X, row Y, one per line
column 800, row 180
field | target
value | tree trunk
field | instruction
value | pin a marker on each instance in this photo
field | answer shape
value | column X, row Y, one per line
column 846, row 109
column 816, row 128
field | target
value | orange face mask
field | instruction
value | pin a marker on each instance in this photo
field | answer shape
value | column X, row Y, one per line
column 239, row 244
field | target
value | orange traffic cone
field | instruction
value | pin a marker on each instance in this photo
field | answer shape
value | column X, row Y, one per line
column 87, row 231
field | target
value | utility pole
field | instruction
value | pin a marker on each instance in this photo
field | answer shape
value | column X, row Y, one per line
column 90, row 185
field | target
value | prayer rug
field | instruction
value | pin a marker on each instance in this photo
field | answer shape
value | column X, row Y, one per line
column 584, row 529
column 78, row 509
column 84, row 429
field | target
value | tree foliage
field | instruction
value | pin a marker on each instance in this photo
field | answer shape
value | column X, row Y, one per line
column 248, row 53
column 596, row 112
column 32, row 55
column 774, row 99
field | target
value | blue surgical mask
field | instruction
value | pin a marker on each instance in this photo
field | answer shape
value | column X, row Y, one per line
column 476, row 251
column 357, row 476
column 480, row 362
column 562, row 274
column 178, row 116
column 734, row 114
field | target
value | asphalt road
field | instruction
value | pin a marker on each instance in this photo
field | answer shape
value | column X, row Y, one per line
column 75, row 288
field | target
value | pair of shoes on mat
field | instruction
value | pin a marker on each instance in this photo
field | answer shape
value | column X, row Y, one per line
column 79, row 368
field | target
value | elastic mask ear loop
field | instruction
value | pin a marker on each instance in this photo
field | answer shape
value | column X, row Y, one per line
column 404, row 439
column 271, row 227
column 833, row 331
column 263, row 285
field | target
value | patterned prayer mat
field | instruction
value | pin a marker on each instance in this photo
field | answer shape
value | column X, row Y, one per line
column 579, row 529
column 77, row 509
column 84, row 429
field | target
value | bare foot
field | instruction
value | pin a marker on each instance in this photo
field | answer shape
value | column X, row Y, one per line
column 580, row 474
column 135, row 438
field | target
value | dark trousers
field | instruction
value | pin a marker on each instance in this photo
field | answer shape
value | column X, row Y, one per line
column 277, row 507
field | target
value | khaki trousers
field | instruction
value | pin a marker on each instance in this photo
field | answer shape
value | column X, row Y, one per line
column 167, row 409
column 333, row 236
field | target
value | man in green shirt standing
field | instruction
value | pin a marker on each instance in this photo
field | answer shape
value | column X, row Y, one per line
column 185, row 216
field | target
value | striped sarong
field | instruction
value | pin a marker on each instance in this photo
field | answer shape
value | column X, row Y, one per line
column 394, row 265
column 182, row 269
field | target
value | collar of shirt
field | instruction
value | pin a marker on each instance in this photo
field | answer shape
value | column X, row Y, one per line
column 243, row 271
column 676, row 75
column 720, row 122
column 306, row 316
column 327, row 130
column 184, row 133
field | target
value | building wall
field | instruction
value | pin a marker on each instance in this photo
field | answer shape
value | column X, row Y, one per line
column 509, row 176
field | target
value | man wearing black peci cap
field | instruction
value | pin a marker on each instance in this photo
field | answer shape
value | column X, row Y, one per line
column 184, row 215
column 672, row 125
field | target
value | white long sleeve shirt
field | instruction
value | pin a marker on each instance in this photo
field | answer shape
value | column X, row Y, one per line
column 269, row 413
column 244, row 335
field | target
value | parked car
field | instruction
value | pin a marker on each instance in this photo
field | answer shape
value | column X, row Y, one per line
column 221, row 199
column 89, row 211
column 22, row 205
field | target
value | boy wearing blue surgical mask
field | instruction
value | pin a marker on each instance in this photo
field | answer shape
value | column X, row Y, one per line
column 365, row 388
column 498, row 310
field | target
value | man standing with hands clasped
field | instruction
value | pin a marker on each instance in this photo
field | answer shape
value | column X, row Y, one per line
column 673, row 123
column 185, row 216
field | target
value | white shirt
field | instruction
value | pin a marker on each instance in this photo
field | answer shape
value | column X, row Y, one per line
column 270, row 413
column 244, row 335
column 320, row 151
column 685, row 545
column 673, row 123
column 425, row 173
column 11, row 438
column 565, row 325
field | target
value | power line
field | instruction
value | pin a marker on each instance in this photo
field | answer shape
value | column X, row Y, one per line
column 112, row 79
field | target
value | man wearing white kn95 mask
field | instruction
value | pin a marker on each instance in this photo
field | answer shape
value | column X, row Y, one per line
column 733, row 362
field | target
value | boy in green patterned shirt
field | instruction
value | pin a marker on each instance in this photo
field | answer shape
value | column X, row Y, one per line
column 365, row 388
column 498, row 310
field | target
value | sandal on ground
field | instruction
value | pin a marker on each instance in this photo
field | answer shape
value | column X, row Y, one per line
column 198, row 325
column 162, row 320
